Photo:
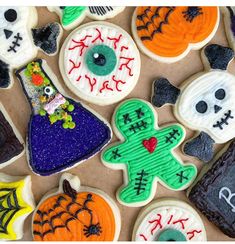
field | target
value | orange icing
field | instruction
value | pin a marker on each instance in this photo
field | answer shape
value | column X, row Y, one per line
column 176, row 32
column 74, row 230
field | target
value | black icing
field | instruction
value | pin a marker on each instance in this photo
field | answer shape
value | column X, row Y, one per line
column 200, row 147
column 10, row 15
column 201, row 107
column 191, row 13
column 220, row 94
column 4, row 75
column 7, row 33
column 164, row 92
column 100, row 60
column 218, row 56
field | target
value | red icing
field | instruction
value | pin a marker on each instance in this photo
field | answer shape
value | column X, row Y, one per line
column 157, row 223
column 150, row 144
column 37, row 79
column 192, row 233
column 80, row 44
column 74, row 66
column 105, row 86
column 116, row 40
column 79, row 77
column 181, row 221
column 92, row 84
column 126, row 64
column 117, row 83
column 82, row 40
column 143, row 236
column 169, row 221
column 124, row 47
column 98, row 37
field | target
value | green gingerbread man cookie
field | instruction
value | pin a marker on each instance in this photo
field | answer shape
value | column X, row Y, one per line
column 146, row 153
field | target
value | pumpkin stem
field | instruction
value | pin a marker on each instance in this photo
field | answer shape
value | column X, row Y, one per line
column 68, row 190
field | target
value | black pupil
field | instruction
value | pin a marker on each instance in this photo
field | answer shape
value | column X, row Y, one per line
column 99, row 59
column 10, row 15
column 201, row 107
column 48, row 90
column 220, row 94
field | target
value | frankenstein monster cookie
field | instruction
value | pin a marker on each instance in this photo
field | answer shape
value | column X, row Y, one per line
column 16, row 203
column 100, row 63
column 169, row 220
column 167, row 34
column 146, row 153
column 76, row 213
column 61, row 132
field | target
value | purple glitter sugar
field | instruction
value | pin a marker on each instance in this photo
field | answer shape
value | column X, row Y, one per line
column 233, row 25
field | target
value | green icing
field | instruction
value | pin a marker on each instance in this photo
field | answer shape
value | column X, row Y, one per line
column 171, row 235
column 71, row 13
column 147, row 152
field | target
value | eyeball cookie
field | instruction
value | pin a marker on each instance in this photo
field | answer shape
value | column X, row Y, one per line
column 100, row 63
column 167, row 34
column 169, row 220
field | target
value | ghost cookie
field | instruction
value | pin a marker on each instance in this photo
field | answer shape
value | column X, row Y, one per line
column 20, row 40
column 72, row 16
column 204, row 102
column 169, row 220
column 100, row 63
column 167, row 34
column 146, row 154
column 16, row 203
column 76, row 213
column 61, row 132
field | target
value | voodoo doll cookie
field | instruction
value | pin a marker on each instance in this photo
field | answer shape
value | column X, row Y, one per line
column 169, row 220
column 205, row 102
column 72, row 16
column 100, row 63
column 20, row 40
column 61, row 132
column 167, row 34
column 146, row 153
column 76, row 213
column 16, row 203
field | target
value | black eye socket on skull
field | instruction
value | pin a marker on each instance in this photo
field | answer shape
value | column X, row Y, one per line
column 201, row 107
column 220, row 94
column 10, row 15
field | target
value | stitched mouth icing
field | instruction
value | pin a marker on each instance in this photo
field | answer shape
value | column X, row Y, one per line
column 16, row 43
column 138, row 126
column 224, row 120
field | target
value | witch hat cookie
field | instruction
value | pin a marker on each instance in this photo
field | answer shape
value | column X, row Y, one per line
column 61, row 131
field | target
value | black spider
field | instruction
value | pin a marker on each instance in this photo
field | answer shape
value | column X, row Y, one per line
column 92, row 230
column 191, row 13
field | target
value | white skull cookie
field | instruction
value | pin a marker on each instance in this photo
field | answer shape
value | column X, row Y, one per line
column 19, row 43
column 100, row 63
column 204, row 103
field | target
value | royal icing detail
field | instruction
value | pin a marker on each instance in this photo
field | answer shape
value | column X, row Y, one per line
column 76, row 213
column 158, row 29
column 100, row 63
column 58, row 123
column 136, row 124
column 169, row 220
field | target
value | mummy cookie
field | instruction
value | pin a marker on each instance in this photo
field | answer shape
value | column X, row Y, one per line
column 72, row 16
column 16, row 203
column 169, row 220
column 76, row 213
column 167, row 34
column 20, row 40
column 100, row 63
column 204, row 102
column 61, row 132
column 146, row 154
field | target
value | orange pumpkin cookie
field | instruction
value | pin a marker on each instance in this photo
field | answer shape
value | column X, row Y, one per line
column 167, row 34
column 75, row 213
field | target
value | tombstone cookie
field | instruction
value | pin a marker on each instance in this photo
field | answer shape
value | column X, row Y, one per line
column 169, row 220
column 100, row 63
column 146, row 153
column 72, row 16
column 204, row 103
column 167, row 34
column 61, row 132
column 16, row 203
column 20, row 40
column 76, row 213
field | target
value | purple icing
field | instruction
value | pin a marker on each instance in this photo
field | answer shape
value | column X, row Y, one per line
column 233, row 25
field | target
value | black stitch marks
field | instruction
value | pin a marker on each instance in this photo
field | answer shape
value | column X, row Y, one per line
column 138, row 126
column 141, row 182
column 191, row 13
column 223, row 121
column 116, row 154
column 172, row 136
column 16, row 43
column 181, row 176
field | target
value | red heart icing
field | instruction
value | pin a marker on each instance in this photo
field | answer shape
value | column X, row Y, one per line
column 150, row 144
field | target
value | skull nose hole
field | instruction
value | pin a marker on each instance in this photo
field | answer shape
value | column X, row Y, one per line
column 217, row 108
column 7, row 33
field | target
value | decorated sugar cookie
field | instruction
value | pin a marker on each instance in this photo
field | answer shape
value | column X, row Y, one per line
column 16, row 203
column 76, row 213
column 100, row 63
column 167, row 34
column 61, row 132
column 146, row 154
column 20, row 40
column 169, row 220
column 204, row 103
column 72, row 16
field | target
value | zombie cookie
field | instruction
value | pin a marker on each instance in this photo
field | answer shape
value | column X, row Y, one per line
column 167, row 34
column 61, row 132
column 72, row 16
column 20, row 40
column 169, row 220
column 146, row 153
column 16, row 203
column 76, row 213
column 100, row 63
column 204, row 103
